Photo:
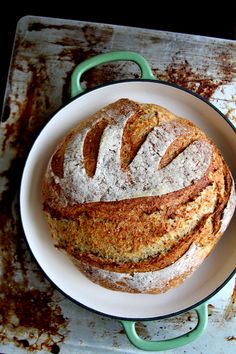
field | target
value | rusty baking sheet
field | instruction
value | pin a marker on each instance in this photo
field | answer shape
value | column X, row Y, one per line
column 34, row 316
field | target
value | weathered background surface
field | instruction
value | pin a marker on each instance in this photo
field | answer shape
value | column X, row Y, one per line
column 33, row 315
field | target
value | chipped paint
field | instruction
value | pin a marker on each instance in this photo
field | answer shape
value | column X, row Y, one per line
column 33, row 315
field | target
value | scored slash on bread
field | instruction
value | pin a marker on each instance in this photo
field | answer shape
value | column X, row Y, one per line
column 135, row 192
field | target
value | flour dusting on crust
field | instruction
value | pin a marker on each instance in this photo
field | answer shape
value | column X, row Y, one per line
column 143, row 177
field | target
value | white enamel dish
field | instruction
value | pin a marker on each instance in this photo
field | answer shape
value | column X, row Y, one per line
column 211, row 276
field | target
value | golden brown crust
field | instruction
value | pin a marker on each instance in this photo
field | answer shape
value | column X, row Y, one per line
column 147, row 233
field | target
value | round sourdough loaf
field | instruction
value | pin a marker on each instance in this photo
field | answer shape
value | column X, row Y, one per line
column 137, row 197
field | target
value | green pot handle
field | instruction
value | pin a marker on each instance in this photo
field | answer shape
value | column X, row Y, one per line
column 146, row 71
column 158, row 345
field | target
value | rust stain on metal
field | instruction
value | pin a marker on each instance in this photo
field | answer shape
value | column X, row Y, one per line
column 29, row 315
column 78, row 53
column 154, row 39
column 24, row 309
column 92, row 35
column 122, row 331
column 39, row 26
column 75, row 55
column 95, row 36
column 211, row 309
column 181, row 73
column 230, row 311
column 230, row 338
column 142, row 330
column 108, row 73
column 229, row 114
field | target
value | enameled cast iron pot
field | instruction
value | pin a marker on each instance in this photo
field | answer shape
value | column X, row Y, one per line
column 215, row 271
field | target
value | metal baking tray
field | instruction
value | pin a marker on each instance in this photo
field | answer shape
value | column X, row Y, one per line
column 34, row 316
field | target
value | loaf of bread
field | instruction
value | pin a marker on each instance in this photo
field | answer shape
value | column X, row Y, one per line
column 137, row 197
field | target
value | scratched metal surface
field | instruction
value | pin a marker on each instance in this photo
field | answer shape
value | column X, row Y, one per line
column 35, row 317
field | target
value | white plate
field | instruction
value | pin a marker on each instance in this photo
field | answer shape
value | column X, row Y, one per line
column 215, row 271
